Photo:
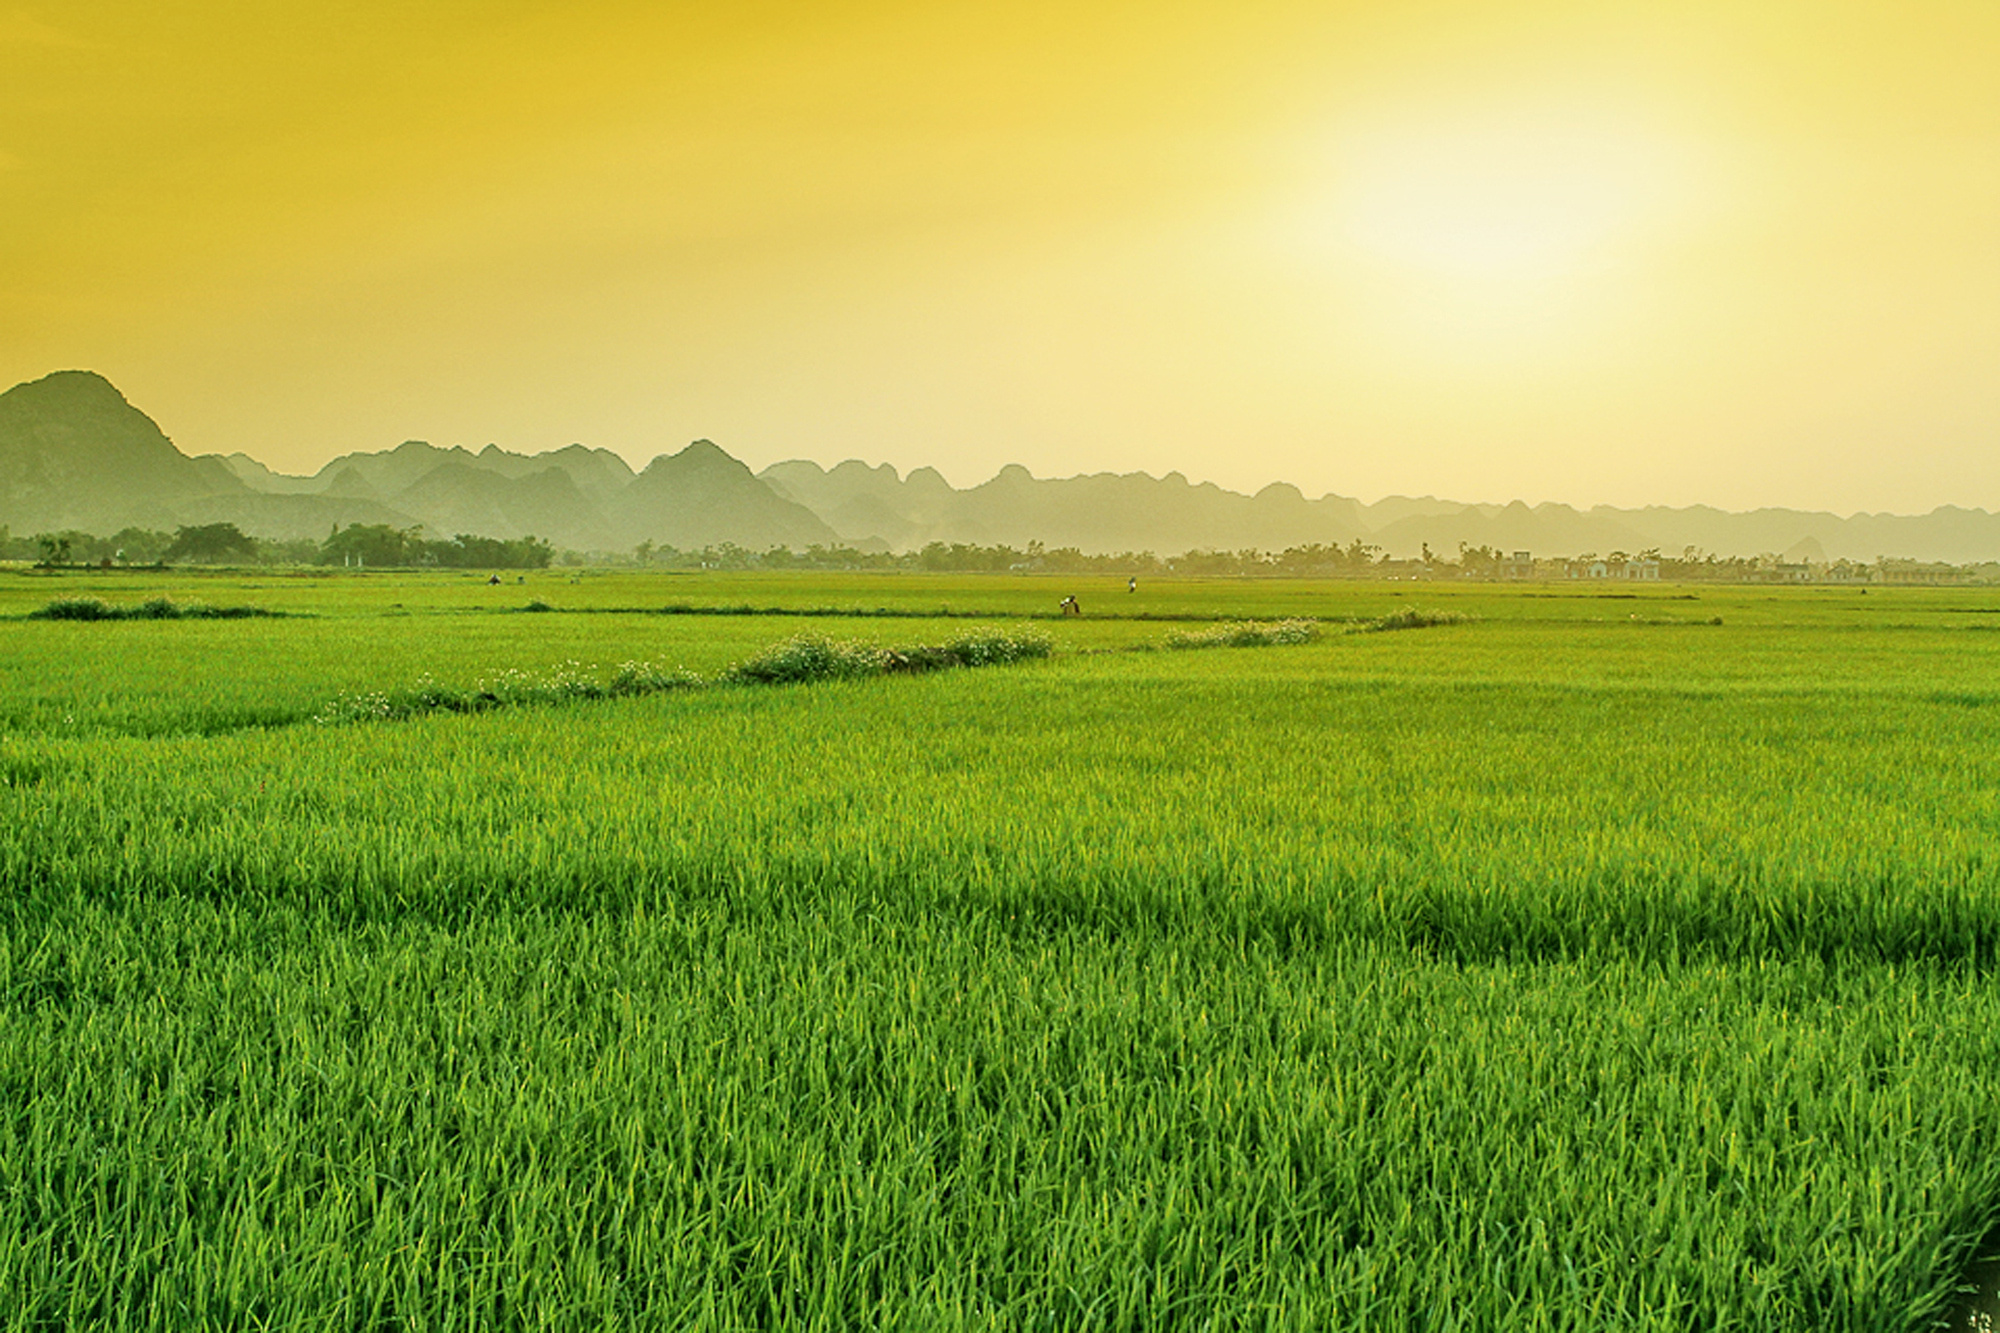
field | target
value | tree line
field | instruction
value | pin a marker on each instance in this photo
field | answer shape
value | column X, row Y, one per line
column 970, row 558
column 380, row 546
column 361, row 545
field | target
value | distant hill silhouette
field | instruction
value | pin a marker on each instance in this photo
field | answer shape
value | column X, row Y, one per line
column 703, row 497
column 1104, row 512
column 75, row 454
column 1960, row 536
column 1108, row 513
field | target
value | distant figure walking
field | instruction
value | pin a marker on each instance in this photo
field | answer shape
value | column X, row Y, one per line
column 1070, row 607
column 1132, row 584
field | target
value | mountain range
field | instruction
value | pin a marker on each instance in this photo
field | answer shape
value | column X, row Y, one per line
column 74, row 454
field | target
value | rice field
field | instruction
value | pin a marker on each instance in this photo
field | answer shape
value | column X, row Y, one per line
column 1563, row 960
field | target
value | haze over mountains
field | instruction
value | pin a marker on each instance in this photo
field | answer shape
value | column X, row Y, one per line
column 75, row 455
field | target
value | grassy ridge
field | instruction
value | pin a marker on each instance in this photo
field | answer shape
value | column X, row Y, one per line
column 801, row 659
column 1509, row 975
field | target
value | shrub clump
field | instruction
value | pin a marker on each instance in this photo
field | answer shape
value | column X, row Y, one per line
column 76, row 608
column 561, row 684
column 630, row 678
column 1246, row 634
column 994, row 647
column 573, row 680
column 807, row 657
column 158, row 608
column 1414, row 617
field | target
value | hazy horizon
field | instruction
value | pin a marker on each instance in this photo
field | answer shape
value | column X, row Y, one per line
column 967, row 483
column 638, row 462
column 1679, row 254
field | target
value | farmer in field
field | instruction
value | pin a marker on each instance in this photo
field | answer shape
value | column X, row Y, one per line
column 1132, row 584
column 1070, row 607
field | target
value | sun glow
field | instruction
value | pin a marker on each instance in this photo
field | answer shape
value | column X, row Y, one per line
column 1504, row 198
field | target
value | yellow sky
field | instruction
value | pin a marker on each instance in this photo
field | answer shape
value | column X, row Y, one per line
column 1733, row 253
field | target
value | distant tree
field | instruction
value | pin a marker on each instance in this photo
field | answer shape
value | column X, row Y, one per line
column 209, row 543
column 139, row 546
column 371, row 544
column 1482, row 561
column 466, row 551
column 54, row 549
column 294, row 551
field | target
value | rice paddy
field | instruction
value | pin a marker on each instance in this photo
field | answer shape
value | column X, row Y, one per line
column 1569, row 961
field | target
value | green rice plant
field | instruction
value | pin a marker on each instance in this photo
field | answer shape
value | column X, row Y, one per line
column 1570, row 974
column 1246, row 634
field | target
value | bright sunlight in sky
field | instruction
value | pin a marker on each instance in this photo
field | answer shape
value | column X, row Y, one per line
column 1694, row 252
column 1501, row 200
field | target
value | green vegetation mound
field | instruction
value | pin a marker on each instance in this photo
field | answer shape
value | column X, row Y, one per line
column 563, row 684
column 1246, row 634
column 1416, row 617
column 158, row 608
column 809, row 657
